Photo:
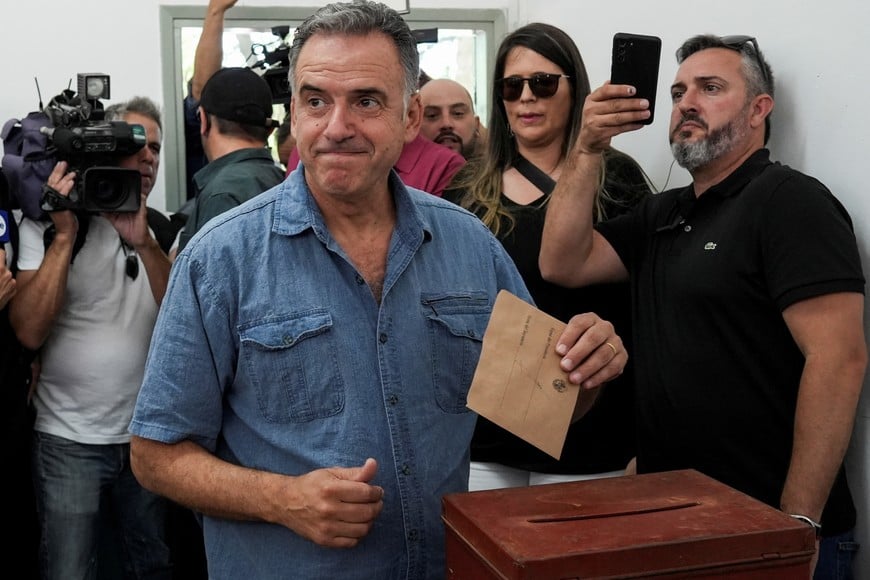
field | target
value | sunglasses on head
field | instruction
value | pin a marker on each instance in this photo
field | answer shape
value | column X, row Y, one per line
column 542, row 85
column 738, row 41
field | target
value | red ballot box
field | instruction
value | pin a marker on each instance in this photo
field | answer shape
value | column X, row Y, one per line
column 677, row 524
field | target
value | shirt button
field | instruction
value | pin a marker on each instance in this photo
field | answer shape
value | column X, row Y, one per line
column 383, row 338
column 687, row 229
column 406, row 470
column 288, row 340
column 360, row 280
column 413, row 535
column 392, row 399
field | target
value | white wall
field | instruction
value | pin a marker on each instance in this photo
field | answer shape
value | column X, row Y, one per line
column 818, row 52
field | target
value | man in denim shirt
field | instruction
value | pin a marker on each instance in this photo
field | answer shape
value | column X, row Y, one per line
column 308, row 374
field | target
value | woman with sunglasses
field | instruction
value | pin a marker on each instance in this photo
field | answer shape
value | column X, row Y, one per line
column 540, row 84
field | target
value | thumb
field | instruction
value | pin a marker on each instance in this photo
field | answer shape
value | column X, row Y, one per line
column 365, row 473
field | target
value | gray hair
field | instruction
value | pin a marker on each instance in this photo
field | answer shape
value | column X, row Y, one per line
column 139, row 105
column 359, row 18
column 756, row 70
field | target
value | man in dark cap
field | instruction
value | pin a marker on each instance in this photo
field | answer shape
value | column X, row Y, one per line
column 235, row 120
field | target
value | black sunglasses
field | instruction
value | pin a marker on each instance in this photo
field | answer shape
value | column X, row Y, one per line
column 738, row 41
column 542, row 85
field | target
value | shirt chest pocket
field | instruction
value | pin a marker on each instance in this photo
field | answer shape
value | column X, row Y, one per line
column 291, row 361
column 456, row 328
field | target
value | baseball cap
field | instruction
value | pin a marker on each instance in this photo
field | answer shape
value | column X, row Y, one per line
column 238, row 94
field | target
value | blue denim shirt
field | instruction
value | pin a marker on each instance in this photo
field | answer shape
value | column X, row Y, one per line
column 271, row 351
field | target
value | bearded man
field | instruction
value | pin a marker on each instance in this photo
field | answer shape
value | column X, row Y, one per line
column 747, row 293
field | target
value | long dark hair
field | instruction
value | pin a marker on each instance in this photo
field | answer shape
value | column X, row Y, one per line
column 482, row 177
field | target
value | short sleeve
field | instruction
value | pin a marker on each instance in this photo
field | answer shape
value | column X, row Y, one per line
column 31, row 248
column 808, row 244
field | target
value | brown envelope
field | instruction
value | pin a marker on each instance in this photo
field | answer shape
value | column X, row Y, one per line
column 518, row 383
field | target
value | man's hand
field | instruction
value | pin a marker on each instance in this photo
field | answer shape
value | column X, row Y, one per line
column 132, row 226
column 608, row 111
column 335, row 507
column 221, row 5
column 592, row 353
column 62, row 182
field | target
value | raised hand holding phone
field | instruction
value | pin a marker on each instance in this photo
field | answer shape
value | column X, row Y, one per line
column 635, row 61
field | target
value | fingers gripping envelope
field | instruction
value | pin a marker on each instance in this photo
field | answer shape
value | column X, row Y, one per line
column 518, row 383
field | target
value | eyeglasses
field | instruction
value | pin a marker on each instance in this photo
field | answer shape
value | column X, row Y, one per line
column 542, row 85
column 738, row 41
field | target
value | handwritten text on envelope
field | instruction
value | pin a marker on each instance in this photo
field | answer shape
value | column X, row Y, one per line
column 518, row 383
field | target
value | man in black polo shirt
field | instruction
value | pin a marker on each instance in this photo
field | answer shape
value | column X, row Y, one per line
column 748, row 294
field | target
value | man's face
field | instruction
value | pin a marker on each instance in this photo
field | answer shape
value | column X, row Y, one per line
column 147, row 160
column 348, row 113
column 537, row 121
column 448, row 116
column 710, row 116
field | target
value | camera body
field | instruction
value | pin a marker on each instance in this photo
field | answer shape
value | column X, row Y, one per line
column 275, row 62
column 93, row 147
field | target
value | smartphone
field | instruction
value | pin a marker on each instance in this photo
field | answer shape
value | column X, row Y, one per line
column 635, row 62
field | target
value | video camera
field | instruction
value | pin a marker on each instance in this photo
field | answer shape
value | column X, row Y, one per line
column 275, row 60
column 92, row 146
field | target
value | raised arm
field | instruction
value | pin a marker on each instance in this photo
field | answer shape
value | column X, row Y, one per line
column 572, row 253
column 40, row 293
column 209, row 54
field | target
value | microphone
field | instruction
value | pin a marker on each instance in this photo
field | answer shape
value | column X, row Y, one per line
column 4, row 227
column 677, row 221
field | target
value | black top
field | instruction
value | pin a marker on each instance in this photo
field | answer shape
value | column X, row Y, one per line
column 16, row 417
column 604, row 439
column 718, row 371
column 194, row 154
column 227, row 182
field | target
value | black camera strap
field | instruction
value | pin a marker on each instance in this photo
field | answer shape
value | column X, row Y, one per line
column 52, row 200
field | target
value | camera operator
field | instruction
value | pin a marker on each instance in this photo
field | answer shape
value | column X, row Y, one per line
column 86, row 303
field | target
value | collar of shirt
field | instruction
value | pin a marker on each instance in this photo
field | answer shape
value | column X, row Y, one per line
column 207, row 173
column 296, row 210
